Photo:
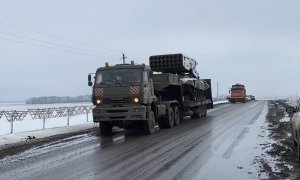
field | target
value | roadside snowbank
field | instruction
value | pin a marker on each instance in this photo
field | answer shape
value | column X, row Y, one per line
column 38, row 134
column 221, row 102
column 29, row 124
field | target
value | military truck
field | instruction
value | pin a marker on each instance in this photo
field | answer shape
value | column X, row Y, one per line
column 141, row 96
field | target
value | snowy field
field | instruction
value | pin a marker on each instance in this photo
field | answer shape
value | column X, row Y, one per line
column 23, row 106
column 29, row 124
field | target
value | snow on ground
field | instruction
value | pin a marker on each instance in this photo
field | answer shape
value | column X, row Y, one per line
column 285, row 119
column 244, row 162
column 19, row 137
column 292, row 102
column 220, row 102
column 24, row 106
column 28, row 124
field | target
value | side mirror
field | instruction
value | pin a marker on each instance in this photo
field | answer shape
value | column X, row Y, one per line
column 90, row 83
column 290, row 110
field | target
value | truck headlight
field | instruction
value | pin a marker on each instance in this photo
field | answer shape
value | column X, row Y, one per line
column 98, row 101
column 136, row 100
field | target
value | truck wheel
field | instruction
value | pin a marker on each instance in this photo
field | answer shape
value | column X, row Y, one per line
column 176, row 116
column 170, row 118
column 150, row 124
column 105, row 128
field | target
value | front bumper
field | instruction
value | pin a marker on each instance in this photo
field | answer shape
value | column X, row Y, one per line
column 130, row 113
column 237, row 99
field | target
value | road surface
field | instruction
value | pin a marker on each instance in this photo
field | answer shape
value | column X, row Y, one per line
column 177, row 153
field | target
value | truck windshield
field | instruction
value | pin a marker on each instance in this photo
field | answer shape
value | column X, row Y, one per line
column 118, row 76
column 237, row 90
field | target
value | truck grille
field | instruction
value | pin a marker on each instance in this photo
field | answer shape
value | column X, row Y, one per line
column 117, row 111
column 116, row 101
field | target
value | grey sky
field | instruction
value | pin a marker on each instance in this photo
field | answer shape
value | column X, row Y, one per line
column 252, row 42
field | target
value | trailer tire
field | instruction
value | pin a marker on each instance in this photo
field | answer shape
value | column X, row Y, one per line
column 170, row 118
column 105, row 128
column 176, row 116
column 149, row 125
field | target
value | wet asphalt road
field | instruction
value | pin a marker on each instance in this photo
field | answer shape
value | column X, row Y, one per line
column 177, row 153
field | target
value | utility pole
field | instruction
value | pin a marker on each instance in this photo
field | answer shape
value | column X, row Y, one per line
column 123, row 57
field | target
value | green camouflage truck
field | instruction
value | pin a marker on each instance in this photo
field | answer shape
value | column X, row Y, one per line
column 141, row 96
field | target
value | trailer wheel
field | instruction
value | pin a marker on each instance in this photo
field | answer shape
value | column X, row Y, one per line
column 105, row 128
column 176, row 116
column 149, row 125
column 170, row 118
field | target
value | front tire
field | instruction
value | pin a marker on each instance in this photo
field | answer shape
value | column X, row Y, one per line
column 149, row 125
column 170, row 118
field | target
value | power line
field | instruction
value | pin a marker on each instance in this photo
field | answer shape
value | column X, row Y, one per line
column 113, row 51
column 56, row 37
column 51, row 43
column 49, row 47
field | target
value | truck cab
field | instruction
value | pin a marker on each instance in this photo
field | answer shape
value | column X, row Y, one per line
column 122, row 95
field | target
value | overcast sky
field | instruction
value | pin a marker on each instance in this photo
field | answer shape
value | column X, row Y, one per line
column 48, row 47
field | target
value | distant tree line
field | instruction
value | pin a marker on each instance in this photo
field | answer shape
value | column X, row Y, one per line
column 55, row 99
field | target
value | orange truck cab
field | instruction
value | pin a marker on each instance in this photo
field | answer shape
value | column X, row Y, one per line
column 237, row 93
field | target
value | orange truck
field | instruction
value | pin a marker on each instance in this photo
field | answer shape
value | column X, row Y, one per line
column 237, row 93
